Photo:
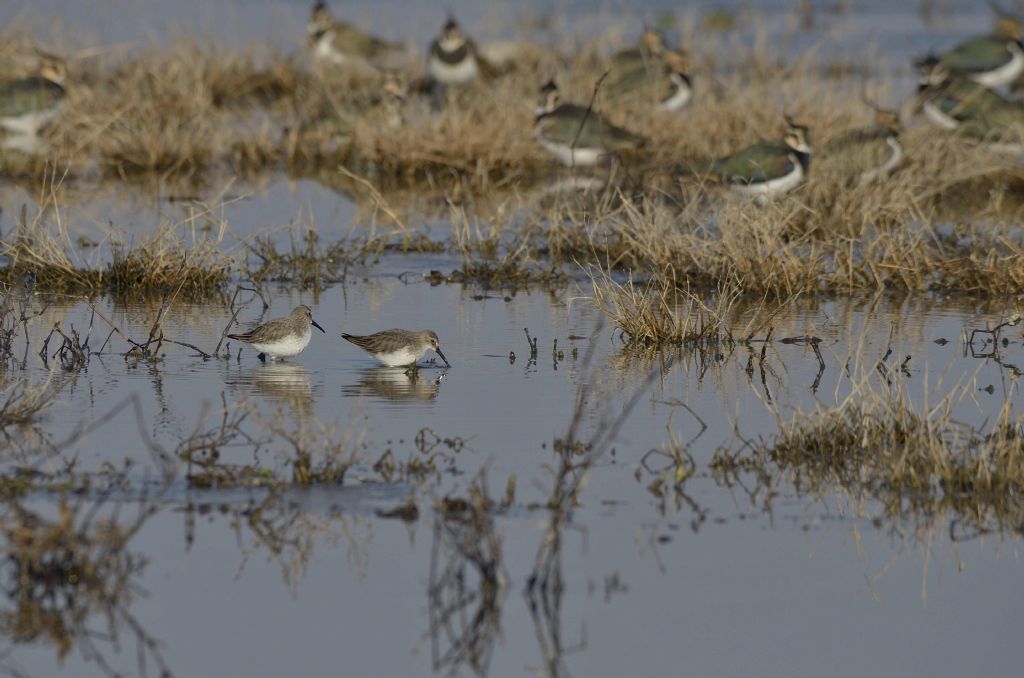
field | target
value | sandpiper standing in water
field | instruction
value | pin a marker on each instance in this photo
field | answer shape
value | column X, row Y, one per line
column 398, row 348
column 281, row 337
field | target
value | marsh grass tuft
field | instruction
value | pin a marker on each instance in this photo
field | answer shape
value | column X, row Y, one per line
column 44, row 257
column 660, row 313
column 917, row 461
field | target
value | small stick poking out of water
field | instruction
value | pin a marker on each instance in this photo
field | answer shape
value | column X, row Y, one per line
column 532, row 343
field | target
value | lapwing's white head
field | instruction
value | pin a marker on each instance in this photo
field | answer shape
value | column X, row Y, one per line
column 797, row 137
column 1007, row 25
column 549, row 98
column 678, row 61
column 652, row 41
column 395, row 86
column 931, row 71
column 889, row 119
column 452, row 37
column 320, row 19
column 53, row 68
column 884, row 117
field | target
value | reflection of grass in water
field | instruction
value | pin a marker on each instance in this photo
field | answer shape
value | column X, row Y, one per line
column 467, row 582
column 917, row 461
column 65, row 574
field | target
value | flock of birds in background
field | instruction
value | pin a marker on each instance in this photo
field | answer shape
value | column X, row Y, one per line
column 957, row 91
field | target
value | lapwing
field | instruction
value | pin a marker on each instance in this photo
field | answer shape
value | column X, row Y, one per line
column 30, row 104
column 331, row 130
column 453, row 58
column 991, row 60
column 953, row 102
column 867, row 153
column 337, row 42
column 650, row 49
column 577, row 135
column 768, row 168
column 664, row 82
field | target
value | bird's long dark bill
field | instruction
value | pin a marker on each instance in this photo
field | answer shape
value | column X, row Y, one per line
column 446, row 363
column 317, row 326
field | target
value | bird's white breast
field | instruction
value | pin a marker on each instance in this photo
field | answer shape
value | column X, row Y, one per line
column 290, row 345
column 461, row 73
column 399, row 358
column 29, row 123
column 1006, row 73
column 938, row 118
column 783, row 184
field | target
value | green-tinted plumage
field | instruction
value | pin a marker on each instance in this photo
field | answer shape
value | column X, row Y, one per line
column 978, row 112
column 978, row 55
column 758, row 163
column 862, row 152
column 350, row 39
column 29, row 95
column 562, row 125
column 637, row 79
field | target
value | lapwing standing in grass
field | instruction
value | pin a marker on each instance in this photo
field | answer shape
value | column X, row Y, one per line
column 664, row 82
column 953, row 102
column 336, row 126
column 991, row 60
column 28, row 105
column 577, row 135
column 281, row 337
column 866, row 154
column 453, row 59
column 337, row 42
column 768, row 168
column 398, row 348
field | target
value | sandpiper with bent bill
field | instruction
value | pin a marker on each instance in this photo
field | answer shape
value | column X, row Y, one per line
column 398, row 348
column 281, row 337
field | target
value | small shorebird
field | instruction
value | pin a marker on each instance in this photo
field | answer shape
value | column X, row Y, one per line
column 769, row 167
column 453, row 59
column 281, row 337
column 29, row 104
column 577, row 135
column 991, row 60
column 398, row 348
column 339, row 43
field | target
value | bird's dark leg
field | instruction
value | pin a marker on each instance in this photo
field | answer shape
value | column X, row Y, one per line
column 262, row 357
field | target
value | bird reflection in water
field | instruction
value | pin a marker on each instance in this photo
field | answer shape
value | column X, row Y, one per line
column 284, row 383
column 396, row 383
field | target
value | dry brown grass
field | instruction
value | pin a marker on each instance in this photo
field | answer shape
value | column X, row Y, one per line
column 660, row 313
column 42, row 255
column 918, row 461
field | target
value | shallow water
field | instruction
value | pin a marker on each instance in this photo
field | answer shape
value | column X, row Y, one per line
column 316, row 579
